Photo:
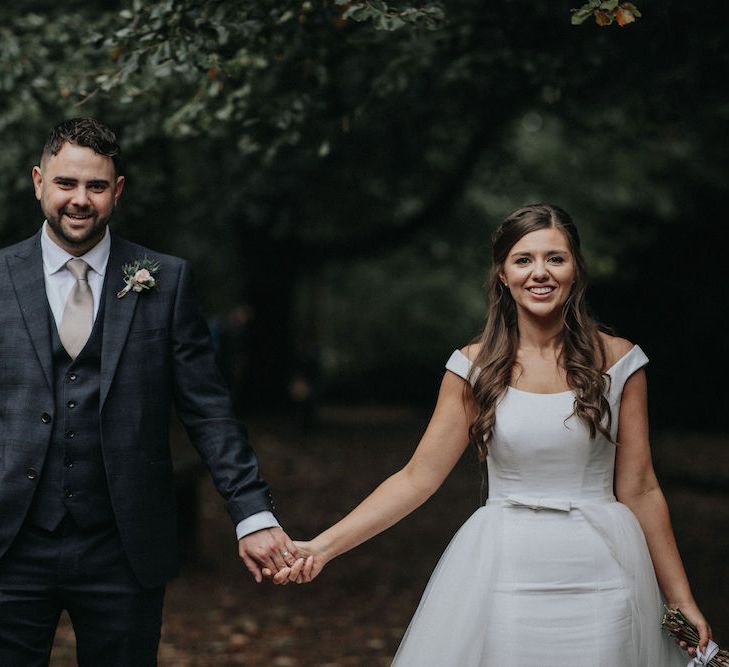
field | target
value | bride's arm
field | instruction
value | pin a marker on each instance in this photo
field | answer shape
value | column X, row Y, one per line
column 442, row 444
column 637, row 487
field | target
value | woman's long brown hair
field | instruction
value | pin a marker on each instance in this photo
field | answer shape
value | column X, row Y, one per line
column 582, row 355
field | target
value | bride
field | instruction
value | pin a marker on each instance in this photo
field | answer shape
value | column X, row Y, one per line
column 565, row 564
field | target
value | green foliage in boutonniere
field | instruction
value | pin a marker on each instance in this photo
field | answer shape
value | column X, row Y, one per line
column 139, row 276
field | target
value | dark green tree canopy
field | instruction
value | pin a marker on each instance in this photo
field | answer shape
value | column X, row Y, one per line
column 286, row 139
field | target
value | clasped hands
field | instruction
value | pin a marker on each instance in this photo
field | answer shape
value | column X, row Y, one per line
column 271, row 553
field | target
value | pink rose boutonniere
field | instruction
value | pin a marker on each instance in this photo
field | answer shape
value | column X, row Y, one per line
column 138, row 276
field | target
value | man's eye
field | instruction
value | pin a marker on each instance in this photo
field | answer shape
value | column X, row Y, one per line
column 97, row 188
column 64, row 186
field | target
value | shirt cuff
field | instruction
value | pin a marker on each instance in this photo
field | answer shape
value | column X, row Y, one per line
column 255, row 522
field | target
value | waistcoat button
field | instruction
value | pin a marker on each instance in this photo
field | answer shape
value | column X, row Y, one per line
column 45, row 418
column 31, row 473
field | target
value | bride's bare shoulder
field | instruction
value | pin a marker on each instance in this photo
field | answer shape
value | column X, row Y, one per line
column 471, row 351
column 615, row 348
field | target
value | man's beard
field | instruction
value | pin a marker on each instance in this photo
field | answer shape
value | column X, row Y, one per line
column 95, row 232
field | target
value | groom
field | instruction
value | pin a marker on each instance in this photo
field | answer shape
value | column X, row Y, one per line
column 99, row 337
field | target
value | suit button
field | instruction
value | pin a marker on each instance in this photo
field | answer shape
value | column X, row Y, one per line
column 72, row 377
column 68, row 463
column 71, row 404
column 70, row 434
column 67, row 493
column 31, row 473
column 45, row 418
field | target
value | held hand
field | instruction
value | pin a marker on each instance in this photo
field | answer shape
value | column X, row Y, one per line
column 310, row 563
column 269, row 548
column 695, row 617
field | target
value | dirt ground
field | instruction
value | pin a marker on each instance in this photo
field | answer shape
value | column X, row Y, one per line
column 355, row 613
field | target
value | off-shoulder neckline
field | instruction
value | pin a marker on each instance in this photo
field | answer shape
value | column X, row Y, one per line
column 609, row 371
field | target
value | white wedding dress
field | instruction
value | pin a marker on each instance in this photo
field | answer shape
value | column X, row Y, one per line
column 552, row 571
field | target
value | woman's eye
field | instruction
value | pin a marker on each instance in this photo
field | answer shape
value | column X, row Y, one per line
column 522, row 260
column 556, row 260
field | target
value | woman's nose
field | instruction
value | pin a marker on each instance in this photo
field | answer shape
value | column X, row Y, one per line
column 539, row 272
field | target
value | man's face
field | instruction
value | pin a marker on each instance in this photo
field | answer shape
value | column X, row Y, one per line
column 77, row 190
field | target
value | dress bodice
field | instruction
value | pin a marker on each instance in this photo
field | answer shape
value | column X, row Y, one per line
column 540, row 452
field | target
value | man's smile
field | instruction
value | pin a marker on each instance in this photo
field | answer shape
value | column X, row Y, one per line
column 78, row 216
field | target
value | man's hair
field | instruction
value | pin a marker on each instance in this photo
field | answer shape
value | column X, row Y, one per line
column 86, row 132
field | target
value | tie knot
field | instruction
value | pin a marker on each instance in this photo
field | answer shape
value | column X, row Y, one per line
column 78, row 267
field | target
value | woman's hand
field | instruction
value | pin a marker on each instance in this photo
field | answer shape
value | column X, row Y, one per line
column 311, row 562
column 696, row 618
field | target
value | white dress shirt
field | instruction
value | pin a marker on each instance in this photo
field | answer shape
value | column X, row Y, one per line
column 59, row 281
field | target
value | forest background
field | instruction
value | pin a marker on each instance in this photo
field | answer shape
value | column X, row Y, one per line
column 334, row 170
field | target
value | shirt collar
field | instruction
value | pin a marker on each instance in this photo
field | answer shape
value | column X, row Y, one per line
column 55, row 257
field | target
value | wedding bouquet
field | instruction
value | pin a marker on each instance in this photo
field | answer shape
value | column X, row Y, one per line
column 681, row 629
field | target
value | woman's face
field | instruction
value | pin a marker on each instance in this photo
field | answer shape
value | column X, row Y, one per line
column 539, row 272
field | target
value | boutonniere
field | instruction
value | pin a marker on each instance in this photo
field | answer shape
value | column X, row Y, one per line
column 138, row 275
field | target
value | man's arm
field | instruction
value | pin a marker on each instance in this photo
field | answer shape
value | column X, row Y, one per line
column 204, row 407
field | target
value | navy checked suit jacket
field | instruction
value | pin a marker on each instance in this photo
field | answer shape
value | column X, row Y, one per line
column 156, row 353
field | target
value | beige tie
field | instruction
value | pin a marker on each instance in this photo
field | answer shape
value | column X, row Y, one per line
column 78, row 314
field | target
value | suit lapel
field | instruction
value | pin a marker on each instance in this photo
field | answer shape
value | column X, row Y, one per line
column 118, row 313
column 26, row 274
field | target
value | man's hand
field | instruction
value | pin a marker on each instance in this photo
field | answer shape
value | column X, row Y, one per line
column 311, row 559
column 270, row 548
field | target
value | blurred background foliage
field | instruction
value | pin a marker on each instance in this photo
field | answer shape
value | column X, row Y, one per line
column 334, row 171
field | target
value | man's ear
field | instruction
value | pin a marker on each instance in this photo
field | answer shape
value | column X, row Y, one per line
column 118, row 187
column 37, row 177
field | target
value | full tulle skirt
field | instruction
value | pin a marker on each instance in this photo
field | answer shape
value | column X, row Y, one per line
column 519, row 587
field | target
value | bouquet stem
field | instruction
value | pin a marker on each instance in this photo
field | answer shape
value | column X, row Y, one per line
column 682, row 630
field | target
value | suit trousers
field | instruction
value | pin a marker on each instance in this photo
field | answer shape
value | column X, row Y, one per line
column 117, row 623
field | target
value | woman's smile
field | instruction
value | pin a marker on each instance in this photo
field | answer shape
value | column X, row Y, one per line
column 541, row 290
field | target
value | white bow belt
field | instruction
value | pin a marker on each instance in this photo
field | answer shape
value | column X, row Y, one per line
column 701, row 658
column 554, row 504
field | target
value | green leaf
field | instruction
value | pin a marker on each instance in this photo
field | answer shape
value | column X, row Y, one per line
column 388, row 22
column 437, row 13
column 582, row 14
column 358, row 13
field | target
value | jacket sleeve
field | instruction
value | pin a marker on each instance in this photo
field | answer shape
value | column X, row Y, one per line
column 203, row 404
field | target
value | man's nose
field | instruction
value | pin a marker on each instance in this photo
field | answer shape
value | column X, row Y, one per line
column 80, row 197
